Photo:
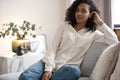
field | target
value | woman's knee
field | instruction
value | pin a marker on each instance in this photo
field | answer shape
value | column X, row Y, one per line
column 34, row 72
column 67, row 72
column 72, row 69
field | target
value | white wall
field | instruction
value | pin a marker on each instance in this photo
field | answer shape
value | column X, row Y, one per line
column 115, row 5
column 46, row 13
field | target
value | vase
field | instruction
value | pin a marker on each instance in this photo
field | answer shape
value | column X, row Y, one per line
column 25, row 44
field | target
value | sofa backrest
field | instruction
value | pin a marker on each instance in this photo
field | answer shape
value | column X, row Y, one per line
column 91, row 58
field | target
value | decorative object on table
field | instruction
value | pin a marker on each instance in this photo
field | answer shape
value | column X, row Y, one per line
column 19, row 33
column 24, row 43
column 20, row 50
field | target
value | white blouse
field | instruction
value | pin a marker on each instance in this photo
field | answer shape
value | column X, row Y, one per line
column 69, row 46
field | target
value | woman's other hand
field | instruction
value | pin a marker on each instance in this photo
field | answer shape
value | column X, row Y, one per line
column 47, row 75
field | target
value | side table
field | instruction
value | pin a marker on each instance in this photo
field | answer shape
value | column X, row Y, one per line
column 10, row 63
column 18, row 63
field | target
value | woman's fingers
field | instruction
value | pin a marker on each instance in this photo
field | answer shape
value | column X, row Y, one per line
column 96, row 18
column 46, row 75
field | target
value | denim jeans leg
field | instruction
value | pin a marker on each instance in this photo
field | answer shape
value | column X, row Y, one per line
column 34, row 72
column 67, row 72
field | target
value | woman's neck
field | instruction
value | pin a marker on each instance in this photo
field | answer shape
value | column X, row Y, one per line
column 79, row 27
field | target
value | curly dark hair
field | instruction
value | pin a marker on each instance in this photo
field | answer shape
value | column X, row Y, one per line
column 70, row 13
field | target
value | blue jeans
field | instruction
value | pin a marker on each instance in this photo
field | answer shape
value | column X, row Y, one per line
column 35, row 72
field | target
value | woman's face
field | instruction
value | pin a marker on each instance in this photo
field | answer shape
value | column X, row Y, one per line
column 82, row 13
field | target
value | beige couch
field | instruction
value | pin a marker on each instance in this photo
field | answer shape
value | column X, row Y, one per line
column 87, row 66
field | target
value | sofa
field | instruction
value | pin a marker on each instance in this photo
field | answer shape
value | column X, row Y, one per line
column 87, row 66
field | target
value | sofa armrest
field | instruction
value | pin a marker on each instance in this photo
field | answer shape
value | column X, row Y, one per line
column 91, row 57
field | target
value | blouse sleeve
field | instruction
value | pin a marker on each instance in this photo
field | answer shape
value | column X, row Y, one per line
column 106, row 35
column 52, row 48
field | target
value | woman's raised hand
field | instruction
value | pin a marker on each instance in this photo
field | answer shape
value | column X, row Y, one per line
column 96, row 18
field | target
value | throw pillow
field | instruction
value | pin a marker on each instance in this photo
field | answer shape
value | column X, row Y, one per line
column 91, row 58
column 106, row 63
column 116, row 74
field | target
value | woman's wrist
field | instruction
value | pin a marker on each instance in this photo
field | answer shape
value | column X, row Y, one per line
column 100, row 23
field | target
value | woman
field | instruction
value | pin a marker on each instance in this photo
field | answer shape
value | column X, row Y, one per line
column 82, row 27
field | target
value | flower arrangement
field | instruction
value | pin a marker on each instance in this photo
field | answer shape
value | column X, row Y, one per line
column 26, row 28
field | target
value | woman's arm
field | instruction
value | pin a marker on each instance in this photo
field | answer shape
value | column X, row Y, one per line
column 109, row 35
column 52, row 50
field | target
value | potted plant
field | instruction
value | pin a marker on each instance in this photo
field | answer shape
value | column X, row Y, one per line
column 20, row 32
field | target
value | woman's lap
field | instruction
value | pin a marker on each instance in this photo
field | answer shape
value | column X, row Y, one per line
column 35, row 72
column 67, row 72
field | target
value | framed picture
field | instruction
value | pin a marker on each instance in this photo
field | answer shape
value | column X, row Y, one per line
column 117, row 31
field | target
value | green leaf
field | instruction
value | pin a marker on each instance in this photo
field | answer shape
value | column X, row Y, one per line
column 11, row 24
column 24, row 21
column 25, row 33
column 33, row 27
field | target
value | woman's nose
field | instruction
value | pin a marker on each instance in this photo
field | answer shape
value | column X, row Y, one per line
column 79, row 13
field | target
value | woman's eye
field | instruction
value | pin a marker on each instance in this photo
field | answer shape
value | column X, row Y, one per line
column 82, row 11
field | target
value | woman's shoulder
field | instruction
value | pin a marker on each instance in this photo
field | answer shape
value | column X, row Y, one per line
column 64, row 25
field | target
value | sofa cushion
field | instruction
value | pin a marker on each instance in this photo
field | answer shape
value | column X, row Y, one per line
column 91, row 57
column 106, row 63
column 116, row 74
column 84, row 78
column 11, row 76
